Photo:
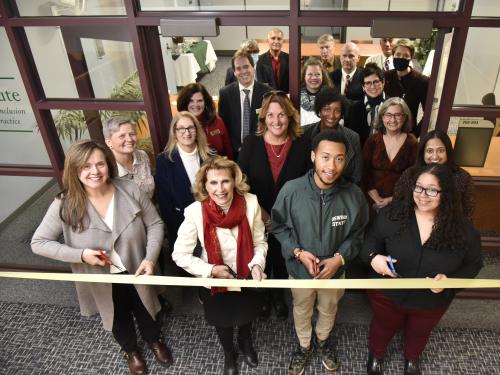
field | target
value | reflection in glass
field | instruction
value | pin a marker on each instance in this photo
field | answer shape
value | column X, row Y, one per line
column 73, row 125
column 20, row 140
column 48, row 8
column 381, row 5
column 479, row 81
column 486, row 8
column 212, row 5
column 89, row 62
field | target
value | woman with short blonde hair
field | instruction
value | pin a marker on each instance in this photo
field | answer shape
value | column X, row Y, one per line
column 226, row 221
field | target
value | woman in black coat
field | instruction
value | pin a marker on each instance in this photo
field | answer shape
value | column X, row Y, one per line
column 274, row 155
column 423, row 235
column 176, row 169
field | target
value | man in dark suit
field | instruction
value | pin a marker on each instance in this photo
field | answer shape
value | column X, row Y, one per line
column 272, row 67
column 232, row 100
column 348, row 78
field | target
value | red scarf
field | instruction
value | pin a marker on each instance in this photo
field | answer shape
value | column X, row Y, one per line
column 213, row 217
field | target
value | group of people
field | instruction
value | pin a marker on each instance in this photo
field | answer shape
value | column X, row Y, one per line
column 247, row 192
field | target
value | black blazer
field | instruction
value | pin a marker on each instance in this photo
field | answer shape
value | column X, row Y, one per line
column 254, row 162
column 357, row 120
column 230, row 110
column 173, row 190
column 265, row 73
column 355, row 91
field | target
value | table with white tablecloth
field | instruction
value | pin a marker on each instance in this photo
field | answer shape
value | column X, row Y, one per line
column 186, row 66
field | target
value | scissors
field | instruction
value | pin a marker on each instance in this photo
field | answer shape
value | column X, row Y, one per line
column 102, row 256
column 391, row 266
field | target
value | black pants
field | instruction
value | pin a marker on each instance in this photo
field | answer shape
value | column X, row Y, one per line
column 226, row 336
column 275, row 269
column 128, row 304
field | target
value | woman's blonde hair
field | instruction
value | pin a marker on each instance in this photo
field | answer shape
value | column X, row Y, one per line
column 73, row 209
column 219, row 162
column 201, row 138
column 294, row 129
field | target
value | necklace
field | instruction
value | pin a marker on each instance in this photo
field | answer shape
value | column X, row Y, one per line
column 280, row 149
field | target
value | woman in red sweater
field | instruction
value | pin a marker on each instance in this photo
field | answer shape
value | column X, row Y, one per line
column 196, row 99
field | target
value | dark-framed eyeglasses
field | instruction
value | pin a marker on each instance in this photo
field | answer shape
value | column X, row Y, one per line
column 430, row 192
column 393, row 116
column 375, row 82
column 190, row 129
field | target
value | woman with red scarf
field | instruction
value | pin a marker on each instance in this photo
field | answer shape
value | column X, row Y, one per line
column 227, row 221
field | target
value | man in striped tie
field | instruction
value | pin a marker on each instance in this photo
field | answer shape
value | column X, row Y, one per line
column 384, row 59
column 240, row 100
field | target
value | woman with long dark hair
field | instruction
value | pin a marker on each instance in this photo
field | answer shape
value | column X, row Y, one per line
column 108, row 226
column 422, row 235
column 436, row 147
column 195, row 99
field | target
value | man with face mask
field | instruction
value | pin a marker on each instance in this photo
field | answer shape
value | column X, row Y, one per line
column 319, row 219
column 272, row 67
column 251, row 47
column 406, row 82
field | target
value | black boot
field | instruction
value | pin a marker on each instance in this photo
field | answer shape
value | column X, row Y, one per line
column 249, row 354
column 230, row 363
column 374, row 366
column 412, row 368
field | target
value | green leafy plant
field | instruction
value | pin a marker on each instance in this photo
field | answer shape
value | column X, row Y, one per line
column 424, row 46
column 70, row 124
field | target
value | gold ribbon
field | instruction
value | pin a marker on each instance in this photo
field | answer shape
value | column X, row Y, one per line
column 298, row 284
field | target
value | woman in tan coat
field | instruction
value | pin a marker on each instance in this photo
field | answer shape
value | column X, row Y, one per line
column 109, row 226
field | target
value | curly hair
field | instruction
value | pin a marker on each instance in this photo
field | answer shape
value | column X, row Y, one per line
column 185, row 95
column 325, row 97
column 447, row 231
column 219, row 162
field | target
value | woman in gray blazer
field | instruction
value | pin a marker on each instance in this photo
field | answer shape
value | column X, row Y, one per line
column 108, row 226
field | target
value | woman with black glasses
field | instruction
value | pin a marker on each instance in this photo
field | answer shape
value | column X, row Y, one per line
column 423, row 235
column 176, row 169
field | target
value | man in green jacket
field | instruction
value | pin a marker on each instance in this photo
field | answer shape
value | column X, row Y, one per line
column 320, row 220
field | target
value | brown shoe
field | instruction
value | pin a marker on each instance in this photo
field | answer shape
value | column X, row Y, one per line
column 136, row 363
column 162, row 353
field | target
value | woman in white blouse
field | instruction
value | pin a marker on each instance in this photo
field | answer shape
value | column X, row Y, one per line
column 120, row 134
column 176, row 169
column 226, row 219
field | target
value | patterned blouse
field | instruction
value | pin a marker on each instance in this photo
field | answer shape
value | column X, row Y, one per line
column 140, row 173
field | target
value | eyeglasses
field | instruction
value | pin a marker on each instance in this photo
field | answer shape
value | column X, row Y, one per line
column 393, row 116
column 375, row 82
column 190, row 129
column 275, row 92
column 430, row 192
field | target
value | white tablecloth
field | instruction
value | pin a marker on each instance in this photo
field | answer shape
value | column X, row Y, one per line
column 186, row 67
